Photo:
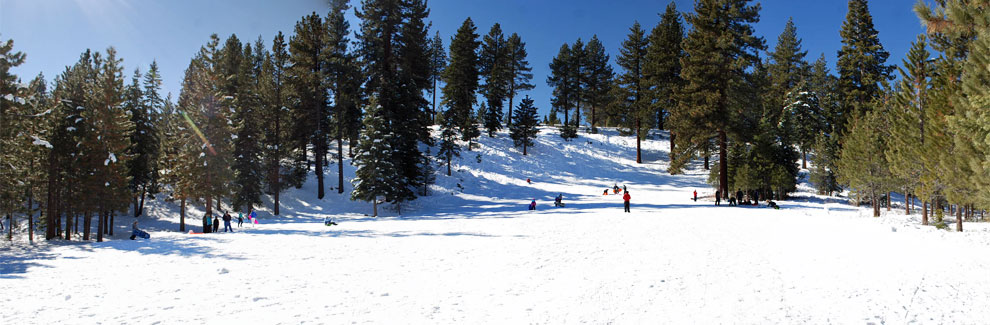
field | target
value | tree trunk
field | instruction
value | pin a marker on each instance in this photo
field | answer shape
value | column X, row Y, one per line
column 907, row 203
column 804, row 161
column 182, row 215
column 100, row 224
column 639, row 156
column 672, row 138
column 594, row 120
column 112, row 215
column 87, row 224
column 723, row 166
column 374, row 206
column 10, row 228
column 706, row 163
column 524, row 148
column 959, row 209
column 144, row 193
column 52, row 230
column 924, row 213
column 888, row 201
column 448, row 165
column 136, row 208
column 340, row 158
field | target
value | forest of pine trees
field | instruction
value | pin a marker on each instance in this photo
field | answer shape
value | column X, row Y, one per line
column 255, row 118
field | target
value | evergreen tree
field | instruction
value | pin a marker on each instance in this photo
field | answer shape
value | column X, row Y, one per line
column 566, row 87
column 11, row 150
column 438, row 63
column 786, row 69
column 862, row 162
column 448, row 139
column 598, row 80
column 309, row 84
column 803, row 118
column 632, row 58
column 494, row 67
column 861, row 63
column 155, row 104
column 376, row 176
column 578, row 69
column 341, row 78
column 663, row 63
column 718, row 50
column 276, row 90
column 461, row 80
column 524, row 131
column 520, row 73
column 207, row 155
column 908, row 119
column 248, row 165
column 144, row 143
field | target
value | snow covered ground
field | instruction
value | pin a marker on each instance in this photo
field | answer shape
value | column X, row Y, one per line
column 478, row 256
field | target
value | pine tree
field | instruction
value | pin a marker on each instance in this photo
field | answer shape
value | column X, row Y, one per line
column 804, row 118
column 566, row 87
column 438, row 63
column 520, row 73
column 376, row 176
column 207, row 154
column 461, row 80
column 524, row 131
column 861, row 63
column 632, row 58
column 908, row 119
column 309, row 84
column 786, row 69
column 340, row 78
column 448, row 139
column 248, row 167
column 494, row 67
column 862, row 162
column 11, row 150
column 718, row 50
column 106, row 142
column 598, row 80
column 276, row 91
column 663, row 63
column 155, row 104
column 144, row 143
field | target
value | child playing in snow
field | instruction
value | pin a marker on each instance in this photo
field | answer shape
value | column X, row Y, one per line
column 532, row 205
column 135, row 232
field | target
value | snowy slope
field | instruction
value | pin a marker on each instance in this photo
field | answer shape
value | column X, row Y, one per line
column 474, row 254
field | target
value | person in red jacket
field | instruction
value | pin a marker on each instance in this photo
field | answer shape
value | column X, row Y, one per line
column 626, row 198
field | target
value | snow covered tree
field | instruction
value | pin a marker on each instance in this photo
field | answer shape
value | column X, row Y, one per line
column 11, row 149
column 376, row 176
column 804, row 118
column 524, row 131
column 718, row 50
column 633, row 81
column 520, row 73
column 598, row 80
column 786, row 69
column 461, row 80
column 248, row 164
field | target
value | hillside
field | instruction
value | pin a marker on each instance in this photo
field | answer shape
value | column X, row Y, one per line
column 472, row 253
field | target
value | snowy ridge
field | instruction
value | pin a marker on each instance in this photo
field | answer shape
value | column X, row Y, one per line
column 473, row 254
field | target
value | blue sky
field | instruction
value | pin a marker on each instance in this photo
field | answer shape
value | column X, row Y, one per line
column 54, row 32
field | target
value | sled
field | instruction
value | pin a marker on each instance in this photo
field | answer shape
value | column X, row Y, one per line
column 559, row 205
column 140, row 233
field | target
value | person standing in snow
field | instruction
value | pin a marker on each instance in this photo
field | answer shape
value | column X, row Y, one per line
column 240, row 219
column 532, row 205
column 625, row 198
column 207, row 225
column 216, row 223
column 718, row 197
column 695, row 195
column 226, row 222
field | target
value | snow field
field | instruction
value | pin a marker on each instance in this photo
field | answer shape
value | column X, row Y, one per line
column 477, row 256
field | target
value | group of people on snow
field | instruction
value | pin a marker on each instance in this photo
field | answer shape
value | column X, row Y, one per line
column 739, row 199
column 213, row 225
